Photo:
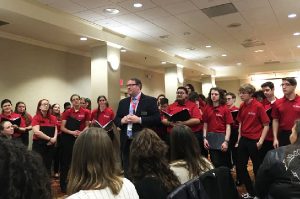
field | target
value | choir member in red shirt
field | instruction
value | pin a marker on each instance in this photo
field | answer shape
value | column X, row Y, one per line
column 55, row 111
column 26, row 118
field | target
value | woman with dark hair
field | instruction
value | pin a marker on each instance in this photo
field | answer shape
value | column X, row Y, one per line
column 6, row 130
column 26, row 118
column 8, row 115
column 96, row 174
column 216, row 129
column 187, row 161
column 85, row 103
column 55, row 111
column 159, row 97
column 149, row 168
column 103, row 114
column 190, row 88
column 22, row 173
column 279, row 175
column 44, row 133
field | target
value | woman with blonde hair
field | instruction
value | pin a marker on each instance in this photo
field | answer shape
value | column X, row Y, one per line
column 94, row 172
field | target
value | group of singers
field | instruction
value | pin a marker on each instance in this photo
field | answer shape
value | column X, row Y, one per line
column 246, row 132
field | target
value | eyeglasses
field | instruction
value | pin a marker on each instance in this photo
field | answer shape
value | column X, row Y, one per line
column 180, row 93
column 102, row 100
column 75, row 99
column 44, row 104
column 130, row 85
column 285, row 84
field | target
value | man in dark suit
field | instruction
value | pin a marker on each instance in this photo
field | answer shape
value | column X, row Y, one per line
column 134, row 113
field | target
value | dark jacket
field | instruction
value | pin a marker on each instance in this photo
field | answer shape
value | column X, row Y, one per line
column 274, row 180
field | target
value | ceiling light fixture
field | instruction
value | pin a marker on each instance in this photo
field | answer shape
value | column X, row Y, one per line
column 191, row 48
column 296, row 33
column 123, row 50
column 239, row 63
column 179, row 65
column 111, row 11
column 164, row 36
column 298, row 46
column 163, row 62
column 137, row 5
column 208, row 46
column 83, row 38
column 224, row 55
column 293, row 15
column 259, row 51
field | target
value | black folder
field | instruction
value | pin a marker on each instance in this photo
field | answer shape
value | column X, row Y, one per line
column 16, row 121
column 48, row 130
column 106, row 126
column 72, row 124
column 234, row 114
column 182, row 115
column 269, row 113
column 215, row 140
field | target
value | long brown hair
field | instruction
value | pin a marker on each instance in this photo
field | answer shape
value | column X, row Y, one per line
column 148, row 158
column 25, row 114
column 93, row 163
column 184, row 146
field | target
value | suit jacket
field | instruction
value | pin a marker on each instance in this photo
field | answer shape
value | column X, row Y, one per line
column 146, row 109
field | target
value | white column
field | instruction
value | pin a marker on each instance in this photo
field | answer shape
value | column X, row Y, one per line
column 172, row 76
column 207, row 84
column 105, row 79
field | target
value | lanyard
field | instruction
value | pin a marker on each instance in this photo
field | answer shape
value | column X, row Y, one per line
column 134, row 103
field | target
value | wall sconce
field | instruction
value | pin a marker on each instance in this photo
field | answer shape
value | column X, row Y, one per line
column 113, row 62
column 180, row 74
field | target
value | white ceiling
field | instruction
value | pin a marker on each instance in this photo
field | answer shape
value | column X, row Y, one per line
column 188, row 27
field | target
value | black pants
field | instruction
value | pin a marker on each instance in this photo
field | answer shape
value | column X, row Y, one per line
column 57, row 154
column 125, row 150
column 46, row 153
column 219, row 158
column 284, row 138
column 25, row 138
column 267, row 146
column 231, row 146
column 67, row 143
column 199, row 136
column 247, row 148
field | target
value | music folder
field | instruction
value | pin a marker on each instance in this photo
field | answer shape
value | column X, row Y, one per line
column 72, row 124
column 234, row 114
column 182, row 115
column 48, row 130
column 215, row 140
column 106, row 126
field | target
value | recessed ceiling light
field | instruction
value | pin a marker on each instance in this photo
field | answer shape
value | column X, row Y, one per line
column 298, row 46
column 111, row 11
column 296, row 33
column 179, row 65
column 293, row 15
column 208, row 46
column 83, row 38
column 239, row 63
column 137, row 5
column 163, row 62
column 259, row 51
column 123, row 50
column 224, row 55
column 202, row 74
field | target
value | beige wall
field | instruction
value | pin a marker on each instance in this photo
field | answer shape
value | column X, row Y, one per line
column 30, row 73
column 197, row 85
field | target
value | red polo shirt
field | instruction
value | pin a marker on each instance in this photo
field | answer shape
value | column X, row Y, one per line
column 193, row 110
column 81, row 115
column 217, row 118
column 268, row 107
column 252, row 116
column 286, row 111
column 14, row 116
column 104, row 116
column 38, row 119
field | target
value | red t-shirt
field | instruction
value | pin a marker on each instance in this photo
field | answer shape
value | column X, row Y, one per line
column 58, row 124
column 268, row 107
column 24, row 120
column 286, row 111
column 104, row 116
column 13, row 116
column 252, row 116
column 191, row 107
column 38, row 119
column 217, row 118
column 81, row 115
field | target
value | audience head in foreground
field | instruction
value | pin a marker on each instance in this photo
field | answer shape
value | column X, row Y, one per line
column 279, row 174
column 187, row 161
column 94, row 172
column 22, row 173
column 149, row 168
